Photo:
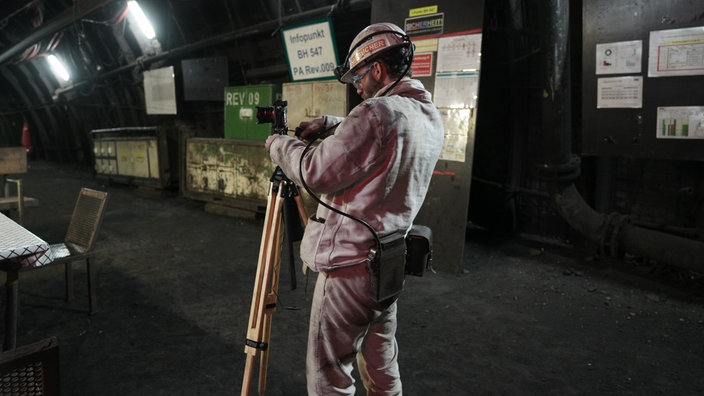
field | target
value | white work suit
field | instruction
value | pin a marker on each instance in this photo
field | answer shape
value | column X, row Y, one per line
column 376, row 166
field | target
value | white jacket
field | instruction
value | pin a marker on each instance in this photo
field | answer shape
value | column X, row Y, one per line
column 376, row 166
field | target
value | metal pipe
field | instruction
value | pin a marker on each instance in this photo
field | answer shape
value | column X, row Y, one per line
column 64, row 19
column 614, row 233
column 260, row 28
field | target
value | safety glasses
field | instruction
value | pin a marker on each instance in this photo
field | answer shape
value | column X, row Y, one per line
column 357, row 78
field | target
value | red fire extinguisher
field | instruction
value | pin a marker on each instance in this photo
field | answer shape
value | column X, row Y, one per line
column 26, row 137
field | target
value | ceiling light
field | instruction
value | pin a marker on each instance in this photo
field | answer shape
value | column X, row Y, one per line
column 58, row 68
column 141, row 19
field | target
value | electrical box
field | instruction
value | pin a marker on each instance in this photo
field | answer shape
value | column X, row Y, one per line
column 241, row 111
column 204, row 79
column 313, row 99
column 228, row 172
column 136, row 155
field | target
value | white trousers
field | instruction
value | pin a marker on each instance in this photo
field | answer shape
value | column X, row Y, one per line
column 346, row 323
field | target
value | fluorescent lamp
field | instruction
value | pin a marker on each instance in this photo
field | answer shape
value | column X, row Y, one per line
column 58, row 68
column 141, row 19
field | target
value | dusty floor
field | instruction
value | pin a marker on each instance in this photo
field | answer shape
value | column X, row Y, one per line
column 175, row 287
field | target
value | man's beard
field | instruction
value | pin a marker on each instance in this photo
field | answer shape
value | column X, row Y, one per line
column 372, row 89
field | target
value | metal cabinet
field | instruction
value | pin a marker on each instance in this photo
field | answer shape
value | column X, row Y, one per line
column 136, row 155
column 228, row 172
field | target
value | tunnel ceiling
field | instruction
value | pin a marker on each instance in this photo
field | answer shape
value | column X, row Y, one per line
column 106, row 60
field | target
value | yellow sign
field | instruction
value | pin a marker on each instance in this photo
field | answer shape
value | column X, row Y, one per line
column 428, row 45
column 423, row 11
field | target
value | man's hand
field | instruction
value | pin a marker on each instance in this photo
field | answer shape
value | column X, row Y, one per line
column 311, row 130
column 269, row 140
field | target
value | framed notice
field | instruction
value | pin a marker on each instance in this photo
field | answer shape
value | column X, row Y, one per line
column 310, row 50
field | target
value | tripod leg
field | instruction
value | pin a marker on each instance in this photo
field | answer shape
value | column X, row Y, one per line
column 264, row 357
column 248, row 370
column 274, row 255
column 253, row 337
column 265, row 288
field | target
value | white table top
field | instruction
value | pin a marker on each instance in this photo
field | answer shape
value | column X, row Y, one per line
column 17, row 243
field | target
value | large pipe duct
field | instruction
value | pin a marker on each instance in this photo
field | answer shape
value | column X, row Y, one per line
column 614, row 233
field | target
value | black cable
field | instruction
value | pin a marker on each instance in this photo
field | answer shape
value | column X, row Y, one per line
column 398, row 80
column 312, row 194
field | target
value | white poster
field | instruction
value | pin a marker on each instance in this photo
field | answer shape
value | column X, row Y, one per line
column 619, row 92
column 160, row 91
column 676, row 52
column 686, row 122
column 459, row 53
column 619, row 58
column 456, row 90
column 458, row 126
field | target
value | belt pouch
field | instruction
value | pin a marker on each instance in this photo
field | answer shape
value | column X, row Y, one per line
column 419, row 250
column 387, row 266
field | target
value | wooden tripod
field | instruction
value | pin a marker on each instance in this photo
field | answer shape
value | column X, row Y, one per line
column 266, row 284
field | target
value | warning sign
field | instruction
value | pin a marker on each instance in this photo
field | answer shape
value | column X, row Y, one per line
column 422, row 65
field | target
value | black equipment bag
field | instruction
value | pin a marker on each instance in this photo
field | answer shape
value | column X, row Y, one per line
column 419, row 250
column 398, row 257
column 387, row 268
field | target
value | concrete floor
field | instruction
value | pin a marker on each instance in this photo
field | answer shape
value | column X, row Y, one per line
column 175, row 285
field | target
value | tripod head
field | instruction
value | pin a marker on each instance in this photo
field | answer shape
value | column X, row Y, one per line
column 275, row 114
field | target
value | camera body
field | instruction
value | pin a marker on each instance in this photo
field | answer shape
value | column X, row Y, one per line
column 275, row 114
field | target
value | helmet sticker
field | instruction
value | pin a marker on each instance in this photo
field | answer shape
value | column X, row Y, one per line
column 367, row 49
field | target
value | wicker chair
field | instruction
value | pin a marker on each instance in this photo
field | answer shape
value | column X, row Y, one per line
column 31, row 370
column 79, row 241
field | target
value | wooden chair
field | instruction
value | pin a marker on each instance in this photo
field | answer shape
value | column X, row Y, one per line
column 13, row 161
column 79, row 241
column 31, row 369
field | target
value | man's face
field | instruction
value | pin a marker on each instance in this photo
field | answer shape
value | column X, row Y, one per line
column 366, row 81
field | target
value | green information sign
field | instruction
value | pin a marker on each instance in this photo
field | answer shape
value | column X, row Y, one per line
column 241, row 110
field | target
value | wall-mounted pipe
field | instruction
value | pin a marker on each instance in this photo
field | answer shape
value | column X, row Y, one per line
column 613, row 232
